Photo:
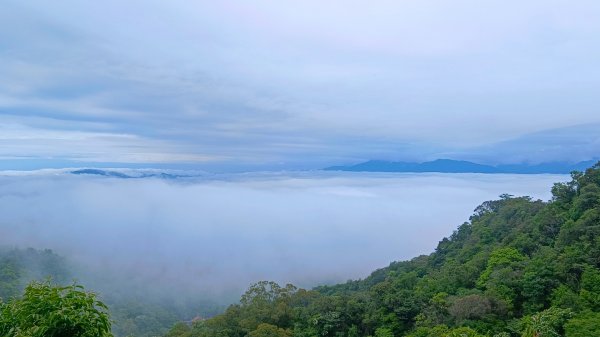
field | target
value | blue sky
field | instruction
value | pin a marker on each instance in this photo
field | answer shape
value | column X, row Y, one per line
column 277, row 84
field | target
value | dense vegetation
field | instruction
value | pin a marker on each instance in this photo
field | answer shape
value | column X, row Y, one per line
column 20, row 266
column 134, row 313
column 519, row 267
column 47, row 310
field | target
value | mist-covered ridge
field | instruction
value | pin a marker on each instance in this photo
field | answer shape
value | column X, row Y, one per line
column 520, row 267
column 462, row 166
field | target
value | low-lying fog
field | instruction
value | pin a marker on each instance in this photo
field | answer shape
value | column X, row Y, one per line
column 217, row 235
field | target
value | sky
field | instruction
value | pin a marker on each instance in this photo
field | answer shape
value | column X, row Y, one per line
column 297, row 85
column 211, row 237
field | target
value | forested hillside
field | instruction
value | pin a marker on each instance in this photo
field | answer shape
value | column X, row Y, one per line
column 132, row 313
column 20, row 266
column 519, row 267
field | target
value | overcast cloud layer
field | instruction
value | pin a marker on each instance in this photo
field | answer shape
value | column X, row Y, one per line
column 218, row 235
column 296, row 84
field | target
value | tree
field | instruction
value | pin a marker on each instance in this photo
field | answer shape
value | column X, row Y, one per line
column 46, row 310
column 472, row 306
column 383, row 332
column 520, row 267
column 502, row 277
column 503, row 257
column 9, row 279
column 548, row 323
column 463, row 332
column 267, row 302
column 590, row 288
column 268, row 330
column 584, row 325
column 180, row 329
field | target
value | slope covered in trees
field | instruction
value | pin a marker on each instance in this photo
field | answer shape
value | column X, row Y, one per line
column 20, row 266
column 519, row 267
column 132, row 313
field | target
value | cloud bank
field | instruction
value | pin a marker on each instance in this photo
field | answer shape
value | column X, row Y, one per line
column 309, row 84
column 216, row 235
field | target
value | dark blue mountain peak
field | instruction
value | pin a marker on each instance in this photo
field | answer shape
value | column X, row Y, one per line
column 131, row 174
column 99, row 172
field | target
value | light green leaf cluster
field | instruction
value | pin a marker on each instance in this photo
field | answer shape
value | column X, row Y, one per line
column 46, row 310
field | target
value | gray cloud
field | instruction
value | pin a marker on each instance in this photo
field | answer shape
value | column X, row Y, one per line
column 569, row 144
column 295, row 83
column 218, row 234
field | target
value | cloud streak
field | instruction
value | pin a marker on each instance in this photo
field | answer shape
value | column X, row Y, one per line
column 298, row 84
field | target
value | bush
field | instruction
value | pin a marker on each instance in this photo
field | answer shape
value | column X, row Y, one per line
column 46, row 310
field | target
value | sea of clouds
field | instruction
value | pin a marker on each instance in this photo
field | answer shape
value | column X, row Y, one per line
column 216, row 234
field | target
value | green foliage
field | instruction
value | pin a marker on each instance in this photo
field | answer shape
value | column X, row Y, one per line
column 384, row 332
column 564, row 297
column 140, row 317
column 471, row 307
column 520, row 267
column 548, row 323
column 45, row 310
column 180, row 329
column 584, row 325
column 435, row 331
column 18, row 267
column 462, row 332
column 590, row 288
column 10, row 277
column 539, row 280
column 502, row 334
column 268, row 330
column 135, row 313
column 501, row 258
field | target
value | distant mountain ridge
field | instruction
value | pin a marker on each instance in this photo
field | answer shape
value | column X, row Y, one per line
column 131, row 174
column 461, row 166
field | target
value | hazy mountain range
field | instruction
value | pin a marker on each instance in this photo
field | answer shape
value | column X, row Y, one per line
column 135, row 173
column 439, row 165
column 461, row 166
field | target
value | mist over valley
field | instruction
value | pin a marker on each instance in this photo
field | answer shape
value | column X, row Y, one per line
column 299, row 168
column 214, row 235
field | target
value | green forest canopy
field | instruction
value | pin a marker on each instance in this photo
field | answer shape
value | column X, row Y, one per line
column 133, row 314
column 519, row 267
